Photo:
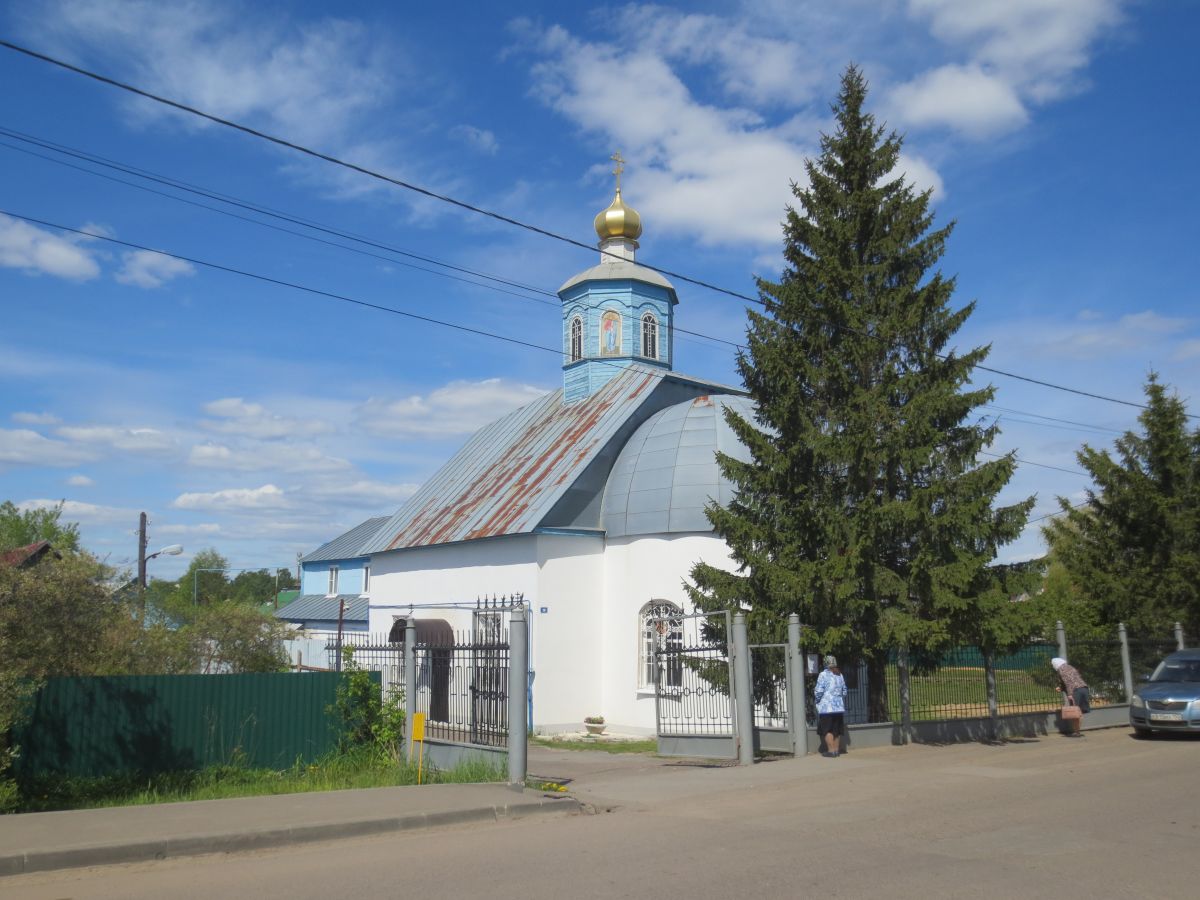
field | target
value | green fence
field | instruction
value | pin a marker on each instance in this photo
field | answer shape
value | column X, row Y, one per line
column 159, row 723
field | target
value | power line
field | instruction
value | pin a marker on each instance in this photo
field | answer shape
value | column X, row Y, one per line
column 1082, row 425
column 1029, row 462
column 499, row 217
column 1058, row 512
column 262, row 210
column 367, row 304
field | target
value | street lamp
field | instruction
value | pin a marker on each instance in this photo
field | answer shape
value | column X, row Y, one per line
column 170, row 550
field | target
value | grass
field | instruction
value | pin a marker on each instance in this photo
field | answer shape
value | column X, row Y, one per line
column 648, row 746
column 957, row 692
column 361, row 769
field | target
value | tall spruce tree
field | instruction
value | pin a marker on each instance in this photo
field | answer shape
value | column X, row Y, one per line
column 1131, row 553
column 864, row 507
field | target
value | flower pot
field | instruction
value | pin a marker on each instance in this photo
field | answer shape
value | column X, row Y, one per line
column 594, row 727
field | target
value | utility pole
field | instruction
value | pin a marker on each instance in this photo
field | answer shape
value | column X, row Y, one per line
column 141, row 573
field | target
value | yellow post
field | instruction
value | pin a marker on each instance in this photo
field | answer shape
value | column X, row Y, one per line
column 418, row 735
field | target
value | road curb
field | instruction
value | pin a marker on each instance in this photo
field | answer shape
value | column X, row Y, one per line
column 28, row 861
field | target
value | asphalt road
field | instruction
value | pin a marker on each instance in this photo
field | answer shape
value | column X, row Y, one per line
column 1102, row 816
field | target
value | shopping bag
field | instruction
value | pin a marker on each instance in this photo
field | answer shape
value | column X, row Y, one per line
column 1070, row 712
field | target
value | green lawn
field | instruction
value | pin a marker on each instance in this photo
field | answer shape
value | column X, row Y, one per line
column 647, row 746
column 953, row 693
column 336, row 772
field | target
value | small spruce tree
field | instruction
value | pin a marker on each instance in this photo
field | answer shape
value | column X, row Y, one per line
column 864, row 507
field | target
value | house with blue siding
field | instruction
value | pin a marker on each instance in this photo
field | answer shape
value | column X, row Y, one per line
column 335, row 580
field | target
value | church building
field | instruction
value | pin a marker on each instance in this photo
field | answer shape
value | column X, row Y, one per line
column 588, row 501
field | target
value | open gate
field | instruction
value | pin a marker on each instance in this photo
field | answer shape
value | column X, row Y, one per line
column 775, row 724
column 693, row 675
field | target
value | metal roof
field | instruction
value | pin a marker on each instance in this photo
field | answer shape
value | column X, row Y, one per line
column 513, row 473
column 667, row 471
column 618, row 270
column 348, row 545
column 322, row 608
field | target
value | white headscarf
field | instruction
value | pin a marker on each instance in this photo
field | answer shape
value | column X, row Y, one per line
column 1058, row 662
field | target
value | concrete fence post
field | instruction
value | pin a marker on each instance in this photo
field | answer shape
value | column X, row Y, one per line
column 1179, row 643
column 410, row 682
column 993, row 700
column 1061, row 634
column 1126, row 667
column 795, row 682
column 905, row 696
column 518, row 690
column 743, row 691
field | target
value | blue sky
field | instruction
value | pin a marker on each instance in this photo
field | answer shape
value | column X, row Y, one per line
column 263, row 421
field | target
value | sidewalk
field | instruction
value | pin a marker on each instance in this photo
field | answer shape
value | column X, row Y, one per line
column 596, row 781
column 36, row 842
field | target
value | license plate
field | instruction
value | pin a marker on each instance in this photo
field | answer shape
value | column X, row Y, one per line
column 1166, row 717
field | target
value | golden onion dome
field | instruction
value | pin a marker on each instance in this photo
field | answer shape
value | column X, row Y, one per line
column 618, row 221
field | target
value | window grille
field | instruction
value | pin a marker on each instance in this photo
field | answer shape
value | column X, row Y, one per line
column 333, row 580
column 366, row 579
column 649, row 336
column 658, row 629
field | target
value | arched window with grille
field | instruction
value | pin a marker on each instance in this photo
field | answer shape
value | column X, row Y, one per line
column 576, row 339
column 660, row 628
column 649, row 336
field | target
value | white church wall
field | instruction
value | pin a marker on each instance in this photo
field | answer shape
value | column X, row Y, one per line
column 450, row 574
column 566, row 634
column 638, row 570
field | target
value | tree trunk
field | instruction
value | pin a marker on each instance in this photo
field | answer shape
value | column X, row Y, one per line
column 877, row 692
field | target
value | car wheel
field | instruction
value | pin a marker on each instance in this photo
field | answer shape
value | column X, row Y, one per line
column 1142, row 732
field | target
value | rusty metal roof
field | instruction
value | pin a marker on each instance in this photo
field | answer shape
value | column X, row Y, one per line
column 512, row 473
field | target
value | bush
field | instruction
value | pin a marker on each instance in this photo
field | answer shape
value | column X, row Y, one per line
column 365, row 718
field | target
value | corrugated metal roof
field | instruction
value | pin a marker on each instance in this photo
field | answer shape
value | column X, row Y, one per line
column 348, row 545
column 511, row 473
column 319, row 607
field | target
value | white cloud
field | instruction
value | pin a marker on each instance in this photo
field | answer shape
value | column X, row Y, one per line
column 1017, row 52
column 132, row 440
column 258, row 457
column 266, row 497
column 961, row 97
column 235, row 416
column 80, row 481
column 29, row 418
column 85, row 513
column 687, row 158
column 309, row 81
column 762, row 69
column 363, row 493
column 41, row 252
column 1189, row 349
column 479, row 138
column 146, row 269
column 23, row 447
column 460, row 407
column 1147, row 334
column 201, row 529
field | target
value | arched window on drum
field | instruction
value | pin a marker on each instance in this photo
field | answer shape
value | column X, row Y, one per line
column 576, row 339
column 649, row 336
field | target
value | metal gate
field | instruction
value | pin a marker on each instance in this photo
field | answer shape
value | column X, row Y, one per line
column 774, row 722
column 693, row 674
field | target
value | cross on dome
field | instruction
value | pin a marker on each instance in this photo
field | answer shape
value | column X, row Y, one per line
column 619, row 226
